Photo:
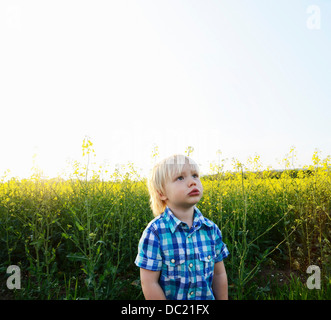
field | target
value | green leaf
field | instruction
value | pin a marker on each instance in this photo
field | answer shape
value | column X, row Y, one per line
column 64, row 235
column 80, row 228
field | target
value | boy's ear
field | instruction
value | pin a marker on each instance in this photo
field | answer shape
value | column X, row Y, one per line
column 162, row 197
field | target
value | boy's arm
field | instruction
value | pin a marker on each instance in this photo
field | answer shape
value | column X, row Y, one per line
column 150, row 285
column 220, row 282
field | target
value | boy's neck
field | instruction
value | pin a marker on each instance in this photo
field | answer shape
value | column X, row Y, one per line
column 184, row 214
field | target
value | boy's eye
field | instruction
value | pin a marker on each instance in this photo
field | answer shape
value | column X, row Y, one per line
column 180, row 178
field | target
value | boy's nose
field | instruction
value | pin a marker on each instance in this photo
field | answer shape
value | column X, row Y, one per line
column 192, row 182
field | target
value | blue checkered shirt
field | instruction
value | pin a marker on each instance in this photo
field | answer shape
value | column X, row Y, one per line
column 185, row 257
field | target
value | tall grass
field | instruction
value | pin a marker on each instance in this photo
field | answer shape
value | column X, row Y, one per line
column 77, row 238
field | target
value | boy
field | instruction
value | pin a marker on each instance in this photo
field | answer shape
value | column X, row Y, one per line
column 180, row 253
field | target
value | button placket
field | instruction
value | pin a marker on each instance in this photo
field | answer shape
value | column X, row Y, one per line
column 190, row 294
column 189, row 249
column 190, row 266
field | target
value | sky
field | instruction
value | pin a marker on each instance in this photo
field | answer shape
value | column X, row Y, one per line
column 232, row 79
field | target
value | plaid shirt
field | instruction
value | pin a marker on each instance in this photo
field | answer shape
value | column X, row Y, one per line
column 185, row 257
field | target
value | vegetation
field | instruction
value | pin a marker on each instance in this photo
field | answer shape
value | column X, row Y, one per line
column 77, row 238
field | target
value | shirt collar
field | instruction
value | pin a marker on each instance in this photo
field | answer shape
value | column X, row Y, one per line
column 174, row 222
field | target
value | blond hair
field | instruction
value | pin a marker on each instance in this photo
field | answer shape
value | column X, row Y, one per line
column 160, row 174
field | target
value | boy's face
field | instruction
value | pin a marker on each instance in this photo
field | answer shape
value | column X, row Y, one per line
column 183, row 190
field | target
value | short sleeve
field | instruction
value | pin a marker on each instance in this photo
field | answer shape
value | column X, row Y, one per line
column 221, row 248
column 149, row 256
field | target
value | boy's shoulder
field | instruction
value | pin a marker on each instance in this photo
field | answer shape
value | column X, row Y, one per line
column 156, row 223
column 209, row 223
column 206, row 221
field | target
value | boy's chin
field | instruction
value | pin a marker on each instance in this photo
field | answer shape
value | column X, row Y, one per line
column 194, row 199
column 191, row 203
column 186, row 205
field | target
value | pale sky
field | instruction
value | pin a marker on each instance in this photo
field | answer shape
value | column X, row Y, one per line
column 243, row 77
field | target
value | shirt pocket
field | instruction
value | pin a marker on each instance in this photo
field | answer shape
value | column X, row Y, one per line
column 174, row 263
column 207, row 261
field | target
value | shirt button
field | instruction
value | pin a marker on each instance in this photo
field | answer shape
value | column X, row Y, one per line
column 190, row 265
column 191, row 293
column 209, row 257
column 173, row 261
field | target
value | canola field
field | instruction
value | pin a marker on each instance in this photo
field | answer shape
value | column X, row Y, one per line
column 77, row 238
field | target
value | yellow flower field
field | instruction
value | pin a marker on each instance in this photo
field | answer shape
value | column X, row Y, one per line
column 77, row 238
